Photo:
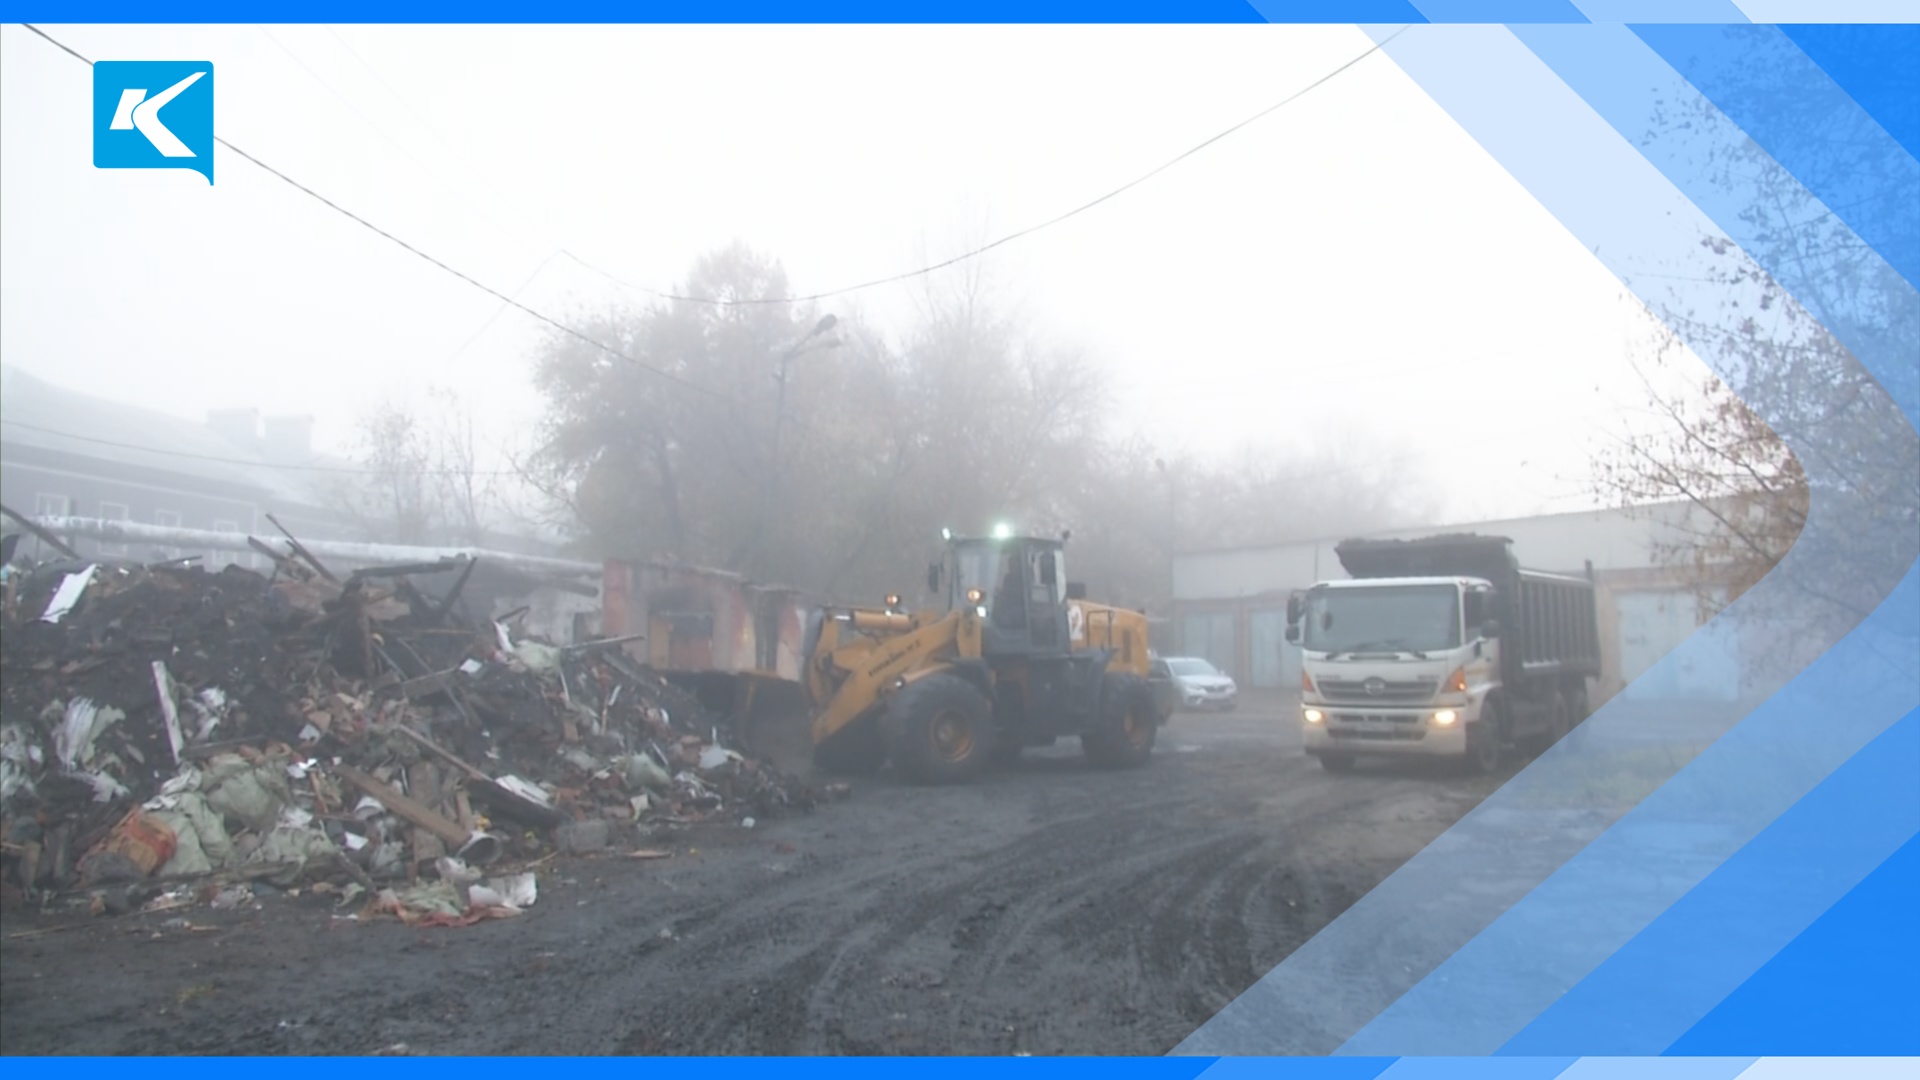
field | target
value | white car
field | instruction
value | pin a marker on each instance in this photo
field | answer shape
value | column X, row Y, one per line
column 1198, row 685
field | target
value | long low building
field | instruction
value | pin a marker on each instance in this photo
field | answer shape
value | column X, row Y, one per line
column 1230, row 605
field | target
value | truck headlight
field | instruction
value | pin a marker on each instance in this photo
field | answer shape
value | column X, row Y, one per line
column 1445, row 718
column 1315, row 716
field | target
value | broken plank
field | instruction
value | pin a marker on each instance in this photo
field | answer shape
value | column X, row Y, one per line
column 385, row 795
column 445, row 754
column 428, row 686
column 301, row 550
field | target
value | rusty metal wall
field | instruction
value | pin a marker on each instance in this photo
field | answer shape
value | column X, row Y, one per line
column 710, row 620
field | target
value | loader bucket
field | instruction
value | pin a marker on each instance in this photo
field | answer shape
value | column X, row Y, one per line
column 766, row 714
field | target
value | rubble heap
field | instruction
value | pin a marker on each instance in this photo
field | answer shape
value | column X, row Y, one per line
column 164, row 723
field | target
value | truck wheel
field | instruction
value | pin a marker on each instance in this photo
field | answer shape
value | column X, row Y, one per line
column 855, row 750
column 942, row 730
column 1577, row 707
column 1337, row 763
column 1562, row 721
column 1485, row 737
column 1125, row 727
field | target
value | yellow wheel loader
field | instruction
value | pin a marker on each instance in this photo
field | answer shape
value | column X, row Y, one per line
column 1014, row 657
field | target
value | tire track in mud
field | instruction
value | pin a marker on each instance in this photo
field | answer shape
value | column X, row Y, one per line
column 1147, row 914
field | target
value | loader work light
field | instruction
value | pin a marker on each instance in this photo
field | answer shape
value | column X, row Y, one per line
column 1002, row 531
column 974, row 595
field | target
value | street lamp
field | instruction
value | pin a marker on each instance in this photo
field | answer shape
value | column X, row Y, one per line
column 771, row 493
column 1160, row 464
column 826, row 323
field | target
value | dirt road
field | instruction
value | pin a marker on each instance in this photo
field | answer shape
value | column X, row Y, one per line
column 1049, row 910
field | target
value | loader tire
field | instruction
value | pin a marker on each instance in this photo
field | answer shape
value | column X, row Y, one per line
column 940, row 730
column 856, row 750
column 1125, row 727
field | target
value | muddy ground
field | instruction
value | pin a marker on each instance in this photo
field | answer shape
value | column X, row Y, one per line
column 1049, row 910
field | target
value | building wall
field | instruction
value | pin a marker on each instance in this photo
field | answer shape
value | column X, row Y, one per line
column 154, row 499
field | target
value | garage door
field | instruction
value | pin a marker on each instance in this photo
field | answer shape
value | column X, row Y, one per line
column 1209, row 636
column 1267, row 642
column 1653, row 624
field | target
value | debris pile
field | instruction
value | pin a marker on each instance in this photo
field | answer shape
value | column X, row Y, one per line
column 161, row 724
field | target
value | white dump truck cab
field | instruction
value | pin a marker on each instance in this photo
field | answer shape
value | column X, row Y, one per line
column 1394, row 666
column 1441, row 647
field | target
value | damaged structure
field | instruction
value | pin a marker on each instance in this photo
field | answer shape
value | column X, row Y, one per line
column 383, row 729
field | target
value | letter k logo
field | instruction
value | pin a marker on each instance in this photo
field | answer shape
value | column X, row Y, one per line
column 135, row 114
column 129, row 131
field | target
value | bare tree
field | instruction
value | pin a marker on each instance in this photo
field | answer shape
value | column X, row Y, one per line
column 424, row 480
column 1799, row 461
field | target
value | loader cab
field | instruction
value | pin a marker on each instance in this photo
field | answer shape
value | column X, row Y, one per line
column 1017, row 583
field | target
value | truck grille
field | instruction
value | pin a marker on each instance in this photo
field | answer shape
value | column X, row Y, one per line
column 1376, row 690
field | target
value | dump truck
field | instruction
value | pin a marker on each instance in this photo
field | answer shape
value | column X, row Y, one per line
column 1012, row 656
column 1441, row 647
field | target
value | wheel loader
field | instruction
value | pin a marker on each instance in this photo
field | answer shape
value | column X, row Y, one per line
column 1011, row 657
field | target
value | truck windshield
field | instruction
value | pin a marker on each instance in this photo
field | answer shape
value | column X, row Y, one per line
column 1386, row 618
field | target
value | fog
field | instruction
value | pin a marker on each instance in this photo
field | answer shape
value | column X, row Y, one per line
column 1349, row 282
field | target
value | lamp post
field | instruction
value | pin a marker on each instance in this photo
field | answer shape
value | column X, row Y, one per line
column 1160, row 465
column 826, row 323
column 771, row 492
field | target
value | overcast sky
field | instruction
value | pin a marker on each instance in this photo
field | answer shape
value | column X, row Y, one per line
column 1351, row 266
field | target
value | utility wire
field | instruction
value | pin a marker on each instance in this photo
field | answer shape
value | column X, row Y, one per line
column 829, row 293
column 469, row 279
column 1010, row 237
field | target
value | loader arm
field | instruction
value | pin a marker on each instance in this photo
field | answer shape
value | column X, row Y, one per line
column 861, row 658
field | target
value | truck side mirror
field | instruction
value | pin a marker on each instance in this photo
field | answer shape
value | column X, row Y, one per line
column 1490, row 628
column 933, row 577
column 1293, row 633
column 1076, row 590
column 1295, row 604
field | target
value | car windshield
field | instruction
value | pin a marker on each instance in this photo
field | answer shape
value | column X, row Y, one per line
column 1386, row 618
column 1192, row 667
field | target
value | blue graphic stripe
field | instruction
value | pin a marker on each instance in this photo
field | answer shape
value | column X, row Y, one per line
column 1404, row 932
column 1831, row 11
column 1626, row 82
column 1259, row 1068
column 1671, row 840
column 1850, row 983
column 1875, row 65
column 1651, row 1068
column 375, row 12
column 1447, row 1068
column 1662, row 11
column 1500, row 11
column 1071, row 12
column 1675, row 972
column 1807, row 123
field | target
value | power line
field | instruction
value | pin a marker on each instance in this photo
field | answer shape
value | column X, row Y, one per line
column 829, row 293
column 1010, row 237
column 469, row 279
